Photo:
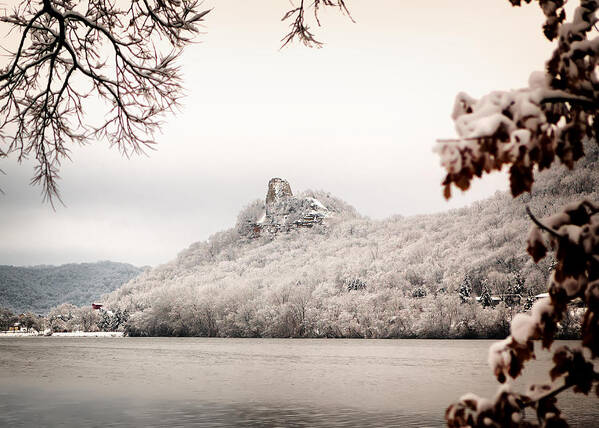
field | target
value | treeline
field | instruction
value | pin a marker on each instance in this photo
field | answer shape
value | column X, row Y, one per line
column 366, row 316
column 26, row 321
column 295, row 312
column 67, row 317
column 356, row 277
column 64, row 318
column 40, row 288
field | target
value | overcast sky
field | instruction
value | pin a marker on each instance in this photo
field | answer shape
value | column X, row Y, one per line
column 357, row 118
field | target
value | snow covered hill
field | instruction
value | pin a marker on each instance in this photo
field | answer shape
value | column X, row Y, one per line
column 350, row 276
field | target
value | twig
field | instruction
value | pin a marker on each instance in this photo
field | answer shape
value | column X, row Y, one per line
column 541, row 225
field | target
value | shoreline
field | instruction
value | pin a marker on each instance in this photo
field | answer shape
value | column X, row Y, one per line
column 67, row 334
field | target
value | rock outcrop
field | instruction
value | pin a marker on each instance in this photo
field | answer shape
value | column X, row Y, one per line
column 278, row 190
column 284, row 212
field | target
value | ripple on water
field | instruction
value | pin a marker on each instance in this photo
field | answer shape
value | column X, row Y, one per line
column 231, row 382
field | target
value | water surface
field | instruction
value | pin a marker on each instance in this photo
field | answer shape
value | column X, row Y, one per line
column 200, row 382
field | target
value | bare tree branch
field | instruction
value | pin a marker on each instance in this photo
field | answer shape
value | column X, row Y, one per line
column 69, row 50
column 300, row 29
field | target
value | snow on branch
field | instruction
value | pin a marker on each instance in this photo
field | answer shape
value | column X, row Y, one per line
column 522, row 129
column 533, row 126
column 573, row 234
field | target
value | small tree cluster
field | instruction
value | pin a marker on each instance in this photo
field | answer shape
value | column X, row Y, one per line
column 485, row 297
column 112, row 321
column 355, row 284
column 465, row 290
column 419, row 292
column 31, row 321
column 7, row 318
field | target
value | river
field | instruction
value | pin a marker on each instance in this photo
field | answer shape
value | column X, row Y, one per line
column 206, row 382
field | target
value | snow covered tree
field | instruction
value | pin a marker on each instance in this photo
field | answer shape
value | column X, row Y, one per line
column 355, row 284
column 87, row 319
column 248, row 218
column 61, row 317
column 522, row 129
column 119, row 319
column 7, row 318
column 105, row 321
column 485, row 298
column 30, row 321
column 536, row 125
column 419, row 292
column 465, row 290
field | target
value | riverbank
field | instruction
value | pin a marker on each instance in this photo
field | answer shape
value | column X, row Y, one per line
column 66, row 334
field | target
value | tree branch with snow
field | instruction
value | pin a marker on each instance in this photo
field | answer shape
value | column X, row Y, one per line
column 524, row 129
column 536, row 125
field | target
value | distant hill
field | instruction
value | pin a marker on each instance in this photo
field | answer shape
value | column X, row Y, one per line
column 39, row 288
column 350, row 276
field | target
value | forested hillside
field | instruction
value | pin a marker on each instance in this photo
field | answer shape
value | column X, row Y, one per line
column 39, row 288
column 357, row 277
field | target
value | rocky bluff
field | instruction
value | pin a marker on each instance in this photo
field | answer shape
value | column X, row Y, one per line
column 283, row 211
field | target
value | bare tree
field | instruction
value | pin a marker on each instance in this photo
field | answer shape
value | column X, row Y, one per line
column 123, row 52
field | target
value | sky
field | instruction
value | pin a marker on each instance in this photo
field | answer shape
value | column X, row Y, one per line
column 357, row 118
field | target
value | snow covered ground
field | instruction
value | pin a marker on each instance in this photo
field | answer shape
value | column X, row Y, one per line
column 18, row 334
column 90, row 334
column 69, row 334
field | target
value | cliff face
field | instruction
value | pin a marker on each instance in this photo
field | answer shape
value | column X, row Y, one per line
column 278, row 190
